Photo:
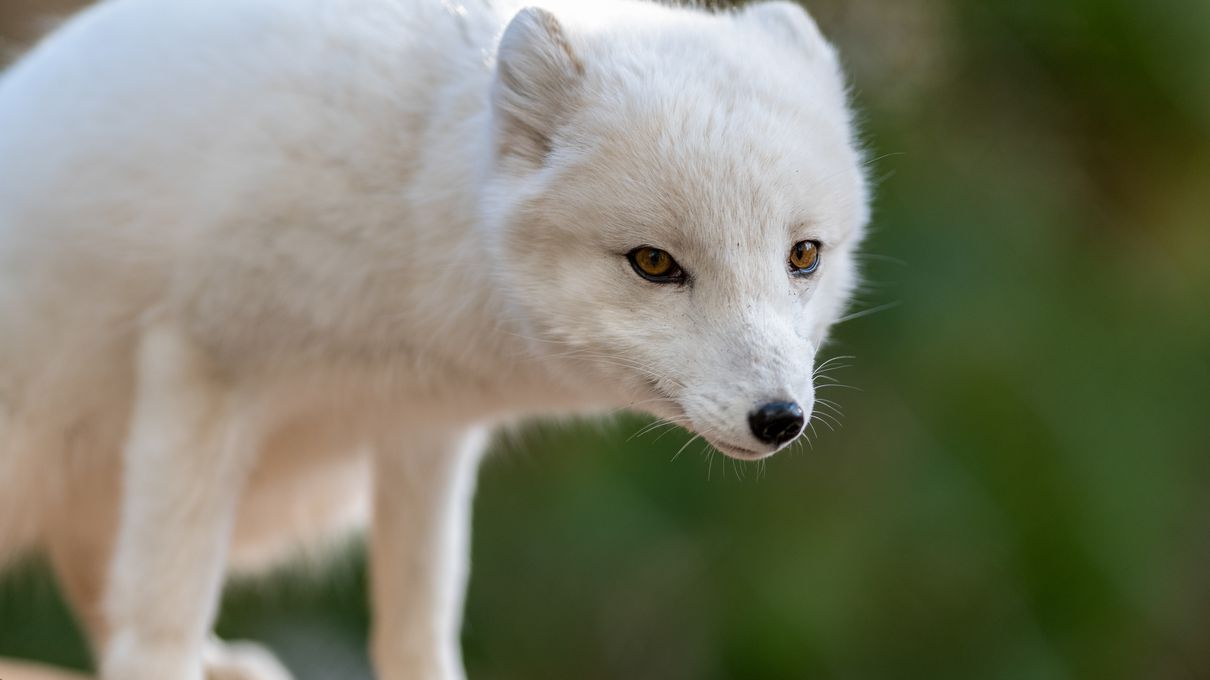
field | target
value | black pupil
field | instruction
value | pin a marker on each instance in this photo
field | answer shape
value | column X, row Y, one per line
column 655, row 260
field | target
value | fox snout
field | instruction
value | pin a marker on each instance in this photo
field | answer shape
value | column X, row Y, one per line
column 777, row 422
column 746, row 424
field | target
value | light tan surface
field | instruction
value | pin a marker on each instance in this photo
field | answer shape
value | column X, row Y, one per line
column 11, row 670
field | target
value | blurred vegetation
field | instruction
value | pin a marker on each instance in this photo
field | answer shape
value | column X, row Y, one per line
column 1017, row 491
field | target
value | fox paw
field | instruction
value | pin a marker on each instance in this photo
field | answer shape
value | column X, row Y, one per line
column 242, row 661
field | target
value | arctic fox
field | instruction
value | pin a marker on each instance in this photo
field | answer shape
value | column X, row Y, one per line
column 270, row 268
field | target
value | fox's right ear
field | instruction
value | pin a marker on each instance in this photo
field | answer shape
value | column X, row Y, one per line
column 788, row 21
column 537, row 83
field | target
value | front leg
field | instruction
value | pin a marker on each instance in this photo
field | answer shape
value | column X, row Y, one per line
column 423, row 485
column 185, row 462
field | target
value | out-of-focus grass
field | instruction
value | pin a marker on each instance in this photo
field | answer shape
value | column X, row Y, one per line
column 1017, row 491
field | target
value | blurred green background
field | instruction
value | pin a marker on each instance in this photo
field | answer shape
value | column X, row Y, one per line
column 1018, row 488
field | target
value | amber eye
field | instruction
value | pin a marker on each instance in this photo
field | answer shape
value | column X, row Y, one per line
column 656, row 265
column 804, row 258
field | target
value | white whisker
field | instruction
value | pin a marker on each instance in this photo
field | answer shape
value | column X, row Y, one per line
column 868, row 312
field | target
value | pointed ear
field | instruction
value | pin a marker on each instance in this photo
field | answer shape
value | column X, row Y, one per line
column 789, row 22
column 537, row 83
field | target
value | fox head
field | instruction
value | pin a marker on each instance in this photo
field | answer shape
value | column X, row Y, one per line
column 674, row 203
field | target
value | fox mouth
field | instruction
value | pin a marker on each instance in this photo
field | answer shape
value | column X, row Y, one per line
column 669, row 409
column 740, row 452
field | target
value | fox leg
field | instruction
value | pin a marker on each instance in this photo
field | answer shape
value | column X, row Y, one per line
column 187, row 454
column 420, row 542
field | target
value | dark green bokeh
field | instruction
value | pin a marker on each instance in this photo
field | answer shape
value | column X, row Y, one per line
column 1017, row 491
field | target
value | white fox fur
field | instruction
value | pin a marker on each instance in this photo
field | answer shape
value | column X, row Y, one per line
column 269, row 268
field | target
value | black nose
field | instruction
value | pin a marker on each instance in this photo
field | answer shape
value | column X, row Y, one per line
column 777, row 422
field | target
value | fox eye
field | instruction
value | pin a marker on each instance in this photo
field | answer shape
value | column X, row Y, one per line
column 656, row 265
column 804, row 258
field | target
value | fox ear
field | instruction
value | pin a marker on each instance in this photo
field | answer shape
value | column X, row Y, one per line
column 537, row 79
column 788, row 21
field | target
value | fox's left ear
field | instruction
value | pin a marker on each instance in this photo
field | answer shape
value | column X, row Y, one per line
column 538, row 75
column 789, row 22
